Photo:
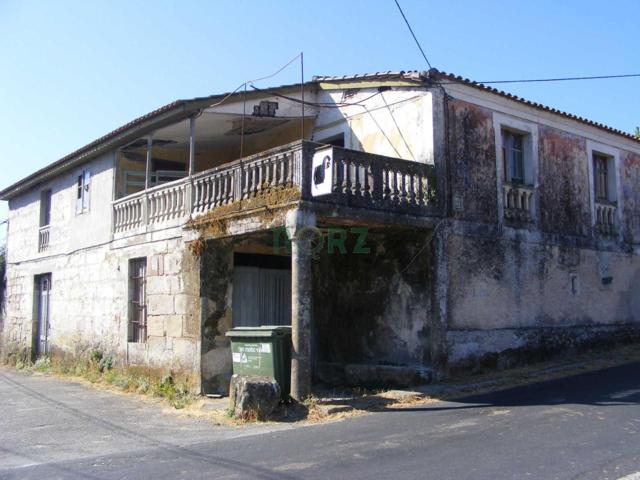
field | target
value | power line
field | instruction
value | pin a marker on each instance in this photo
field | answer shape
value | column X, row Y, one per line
column 533, row 80
column 413, row 34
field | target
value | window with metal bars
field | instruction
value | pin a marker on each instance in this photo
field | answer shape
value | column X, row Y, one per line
column 601, row 176
column 513, row 156
column 138, row 300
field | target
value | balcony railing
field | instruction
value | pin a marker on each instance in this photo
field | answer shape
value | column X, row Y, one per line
column 606, row 218
column 43, row 238
column 359, row 180
column 518, row 202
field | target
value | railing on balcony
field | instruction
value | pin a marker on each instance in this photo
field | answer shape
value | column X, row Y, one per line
column 377, row 182
column 43, row 238
column 359, row 180
column 518, row 202
column 606, row 218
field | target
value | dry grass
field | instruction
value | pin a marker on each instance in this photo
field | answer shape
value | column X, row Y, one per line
column 94, row 368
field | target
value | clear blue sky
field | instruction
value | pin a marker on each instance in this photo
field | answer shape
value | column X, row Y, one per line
column 70, row 71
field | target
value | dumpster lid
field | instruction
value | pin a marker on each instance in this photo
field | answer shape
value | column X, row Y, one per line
column 261, row 331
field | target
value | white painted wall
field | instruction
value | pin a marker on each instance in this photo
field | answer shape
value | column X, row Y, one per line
column 396, row 123
column 69, row 231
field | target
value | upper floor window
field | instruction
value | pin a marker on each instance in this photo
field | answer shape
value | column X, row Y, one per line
column 513, row 155
column 83, row 191
column 603, row 178
column 45, row 220
column 45, row 208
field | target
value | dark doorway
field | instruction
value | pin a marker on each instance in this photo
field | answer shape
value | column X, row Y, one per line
column 261, row 290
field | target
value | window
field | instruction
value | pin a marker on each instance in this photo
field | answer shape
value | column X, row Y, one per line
column 83, row 191
column 602, row 177
column 336, row 141
column 513, row 156
column 138, row 300
column 45, row 208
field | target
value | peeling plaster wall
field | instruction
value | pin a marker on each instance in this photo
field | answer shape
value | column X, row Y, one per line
column 630, row 183
column 473, row 162
column 373, row 308
column 518, row 291
column 396, row 123
column 564, row 183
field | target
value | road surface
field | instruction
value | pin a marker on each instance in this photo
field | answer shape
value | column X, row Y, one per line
column 582, row 427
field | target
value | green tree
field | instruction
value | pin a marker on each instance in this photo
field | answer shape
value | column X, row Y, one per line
column 637, row 134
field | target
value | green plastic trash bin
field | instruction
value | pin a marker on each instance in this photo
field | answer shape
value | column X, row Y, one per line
column 263, row 351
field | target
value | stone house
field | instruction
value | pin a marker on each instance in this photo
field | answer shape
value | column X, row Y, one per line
column 405, row 224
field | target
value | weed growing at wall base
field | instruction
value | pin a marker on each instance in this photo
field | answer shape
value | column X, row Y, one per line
column 99, row 368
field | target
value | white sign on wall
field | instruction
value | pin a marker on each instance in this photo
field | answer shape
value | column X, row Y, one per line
column 322, row 172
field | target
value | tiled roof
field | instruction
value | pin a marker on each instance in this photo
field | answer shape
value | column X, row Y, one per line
column 388, row 75
column 431, row 76
column 445, row 78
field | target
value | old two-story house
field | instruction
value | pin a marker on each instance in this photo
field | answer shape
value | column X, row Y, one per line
column 404, row 224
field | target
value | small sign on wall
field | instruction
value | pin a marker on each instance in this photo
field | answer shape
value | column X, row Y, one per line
column 458, row 203
column 322, row 172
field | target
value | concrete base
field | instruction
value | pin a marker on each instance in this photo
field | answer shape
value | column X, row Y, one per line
column 372, row 376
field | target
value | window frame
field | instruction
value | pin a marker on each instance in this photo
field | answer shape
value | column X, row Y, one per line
column 531, row 161
column 509, row 162
column 137, row 328
column 83, row 192
column 614, row 199
column 603, row 178
column 45, row 207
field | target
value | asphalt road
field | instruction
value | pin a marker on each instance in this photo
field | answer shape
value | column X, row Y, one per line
column 582, row 427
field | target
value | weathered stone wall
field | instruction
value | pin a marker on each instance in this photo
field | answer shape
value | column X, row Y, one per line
column 472, row 170
column 89, row 303
column 517, row 293
column 215, row 289
column 564, row 183
column 373, row 308
column 630, row 183
column 90, row 278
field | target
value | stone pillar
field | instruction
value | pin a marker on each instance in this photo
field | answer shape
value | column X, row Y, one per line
column 301, row 301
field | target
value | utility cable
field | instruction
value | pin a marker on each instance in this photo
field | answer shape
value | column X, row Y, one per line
column 413, row 34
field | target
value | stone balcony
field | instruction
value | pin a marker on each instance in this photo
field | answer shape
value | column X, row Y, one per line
column 606, row 218
column 518, row 200
column 281, row 176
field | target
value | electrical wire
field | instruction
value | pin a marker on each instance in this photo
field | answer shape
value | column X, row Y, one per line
column 398, row 127
column 250, row 82
column 413, row 34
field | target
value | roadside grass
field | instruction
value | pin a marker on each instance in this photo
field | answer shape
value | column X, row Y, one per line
column 98, row 368
column 328, row 405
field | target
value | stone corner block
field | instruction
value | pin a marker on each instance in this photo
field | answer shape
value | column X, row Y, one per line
column 185, row 304
column 249, row 395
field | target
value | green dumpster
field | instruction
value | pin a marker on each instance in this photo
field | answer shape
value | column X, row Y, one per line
column 263, row 351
